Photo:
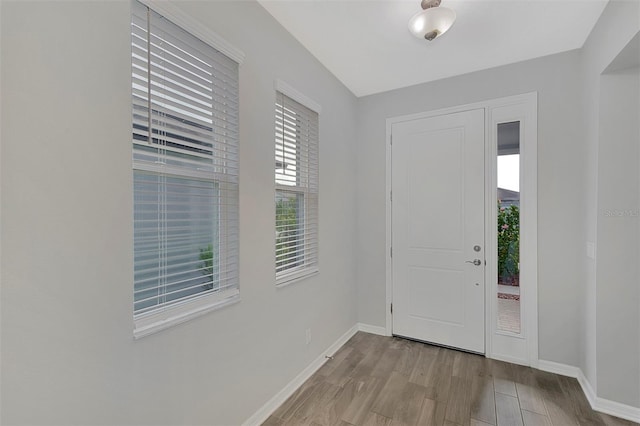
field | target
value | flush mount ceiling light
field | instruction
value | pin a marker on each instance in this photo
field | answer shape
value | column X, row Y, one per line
column 432, row 21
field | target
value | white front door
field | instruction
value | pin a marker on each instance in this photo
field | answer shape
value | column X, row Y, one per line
column 438, row 229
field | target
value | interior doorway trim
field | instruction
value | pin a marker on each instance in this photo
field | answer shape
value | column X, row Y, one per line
column 521, row 349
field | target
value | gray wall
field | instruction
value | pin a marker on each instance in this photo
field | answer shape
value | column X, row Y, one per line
column 68, row 355
column 611, row 316
column 560, row 186
column 617, row 279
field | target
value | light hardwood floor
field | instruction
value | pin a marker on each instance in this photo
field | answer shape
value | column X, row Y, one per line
column 377, row 380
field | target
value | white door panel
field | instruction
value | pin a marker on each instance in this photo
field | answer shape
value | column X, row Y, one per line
column 437, row 219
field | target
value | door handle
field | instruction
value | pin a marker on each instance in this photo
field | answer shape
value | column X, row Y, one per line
column 476, row 262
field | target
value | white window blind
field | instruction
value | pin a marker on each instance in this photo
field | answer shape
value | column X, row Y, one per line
column 296, row 198
column 185, row 170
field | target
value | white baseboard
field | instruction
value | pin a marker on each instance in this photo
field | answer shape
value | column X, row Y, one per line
column 373, row 329
column 588, row 390
column 267, row 409
column 602, row 405
column 557, row 368
column 613, row 408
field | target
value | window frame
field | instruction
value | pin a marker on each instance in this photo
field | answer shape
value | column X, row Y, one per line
column 166, row 316
column 310, row 196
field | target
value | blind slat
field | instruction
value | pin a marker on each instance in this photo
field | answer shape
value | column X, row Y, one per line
column 185, row 165
column 296, row 157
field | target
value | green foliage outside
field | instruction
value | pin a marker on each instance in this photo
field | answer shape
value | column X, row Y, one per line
column 508, row 244
column 286, row 234
column 206, row 256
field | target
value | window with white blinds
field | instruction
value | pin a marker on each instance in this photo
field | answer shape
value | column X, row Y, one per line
column 185, row 172
column 296, row 198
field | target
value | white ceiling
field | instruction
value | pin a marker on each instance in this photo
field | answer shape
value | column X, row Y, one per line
column 367, row 45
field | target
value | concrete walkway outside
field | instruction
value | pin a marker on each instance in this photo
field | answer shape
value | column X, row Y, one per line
column 509, row 309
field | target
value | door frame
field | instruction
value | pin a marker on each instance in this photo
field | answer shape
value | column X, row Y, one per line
column 520, row 349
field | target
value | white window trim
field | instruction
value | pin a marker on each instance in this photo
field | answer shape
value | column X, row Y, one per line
column 172, row 315
column 297, row 96
column 299, row 273
column 177, row 16
column 178, row 313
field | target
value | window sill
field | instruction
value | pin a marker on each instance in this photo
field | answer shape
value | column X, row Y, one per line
column 294, row 277
column 154, row 322
column 509, row 334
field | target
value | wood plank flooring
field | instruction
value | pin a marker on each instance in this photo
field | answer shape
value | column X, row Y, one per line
column 388, row 381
